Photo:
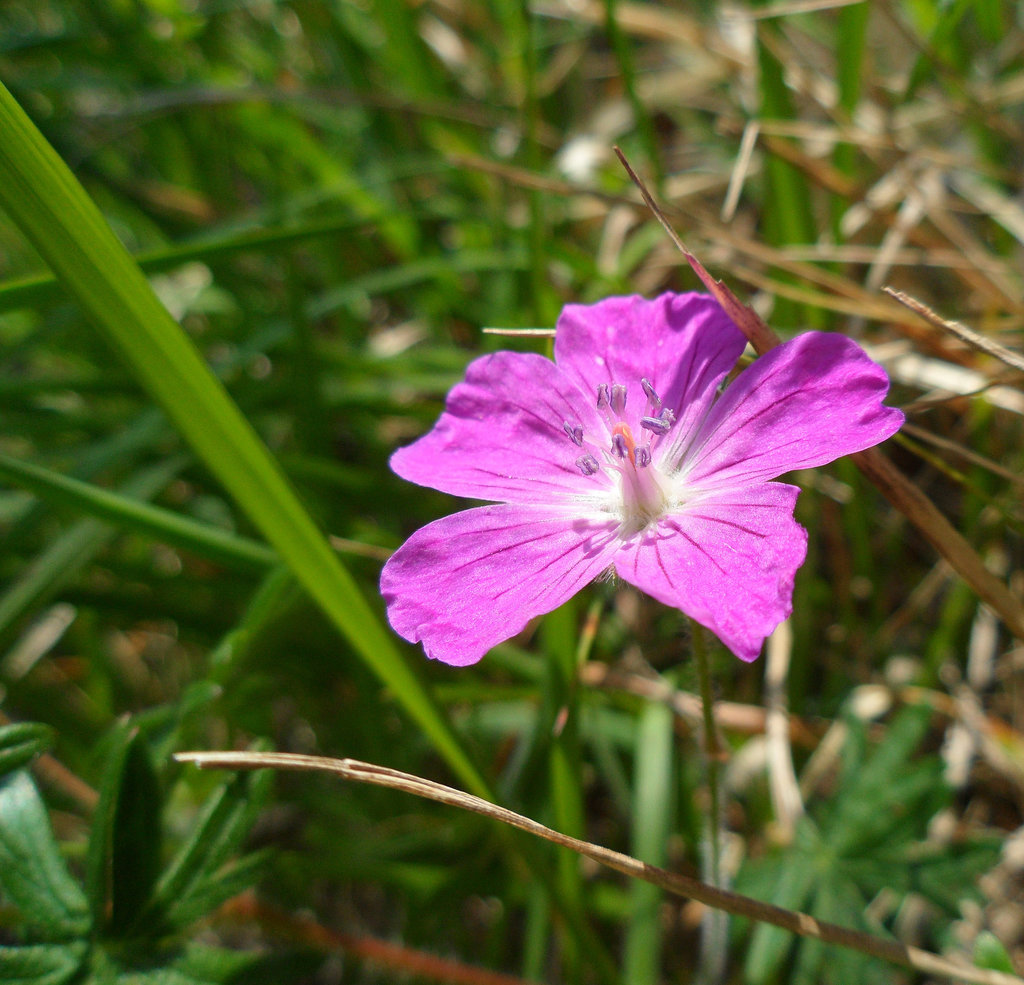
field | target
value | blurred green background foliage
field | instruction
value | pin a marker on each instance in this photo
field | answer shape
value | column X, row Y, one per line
column 333, row 199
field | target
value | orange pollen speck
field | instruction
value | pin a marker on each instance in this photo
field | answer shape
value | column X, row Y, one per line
column 627, row 436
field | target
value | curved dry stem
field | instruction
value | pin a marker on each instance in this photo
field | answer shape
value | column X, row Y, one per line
column 672, row 882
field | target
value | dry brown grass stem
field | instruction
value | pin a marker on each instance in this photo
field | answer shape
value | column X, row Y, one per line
column 967, row 454
column 962, row 332
column 672, row 882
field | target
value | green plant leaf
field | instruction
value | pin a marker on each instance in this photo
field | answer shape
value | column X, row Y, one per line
column 41, row 964
column 33, row 877
column 770, row 945
column 196, row 964
column 207, row 894
column 870, row 837
column 215, row 964
column 124, row 844
column 21, row 742
column 989, row 952
column 190, row 884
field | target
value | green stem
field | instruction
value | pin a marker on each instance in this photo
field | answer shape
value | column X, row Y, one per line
column 712, row 951
column 700, row 653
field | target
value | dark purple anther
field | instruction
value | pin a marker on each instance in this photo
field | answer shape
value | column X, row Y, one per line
column 604, row 398
column 574, row 431
column 619, row 446
column 656, row 424
column 652, row 394
column 643, row 457
column 587, row 464
column 618, row 398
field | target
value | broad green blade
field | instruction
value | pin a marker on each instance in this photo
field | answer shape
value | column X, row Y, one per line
column 46, row 201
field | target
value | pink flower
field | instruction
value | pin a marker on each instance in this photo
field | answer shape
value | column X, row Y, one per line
column 622, row 454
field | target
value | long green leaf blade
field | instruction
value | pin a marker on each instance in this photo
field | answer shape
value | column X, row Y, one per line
column 125, row 511
column 49, row 205
column 22, row 742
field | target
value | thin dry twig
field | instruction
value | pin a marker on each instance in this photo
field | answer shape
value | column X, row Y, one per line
column 786, row 8
column 672, row 882
column 961, row 331
column 893, row 484
column 740, row 169
column 967, row 454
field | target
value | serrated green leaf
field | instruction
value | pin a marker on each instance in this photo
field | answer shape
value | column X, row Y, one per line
column 21, row 742
column 33, row 877
column 902, row 736
column 41, row 964
column 951, row 877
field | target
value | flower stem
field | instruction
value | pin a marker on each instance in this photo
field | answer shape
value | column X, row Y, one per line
column 713, row 950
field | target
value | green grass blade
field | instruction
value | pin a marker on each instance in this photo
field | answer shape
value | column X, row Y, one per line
column 46, row 201
column 25, row 291
column 851, row 38
column 652, row 827
column 66, row 554
column 21, row 742
column 134, row 514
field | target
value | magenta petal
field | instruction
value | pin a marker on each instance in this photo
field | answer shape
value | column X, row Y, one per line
column 805, row 403
column 467, row 582
column 727, row 560
column 501, row 435
column 684, row 344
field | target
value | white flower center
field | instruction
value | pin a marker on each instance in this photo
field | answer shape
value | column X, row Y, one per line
column 642, row 490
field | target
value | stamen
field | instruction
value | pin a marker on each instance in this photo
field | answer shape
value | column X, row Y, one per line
column 603, row 396
column 655, row 424
column 574, row 431
column 587, row 464
column 643, row 457
column 618, row 398
column 623, row 443
column 652, row 395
